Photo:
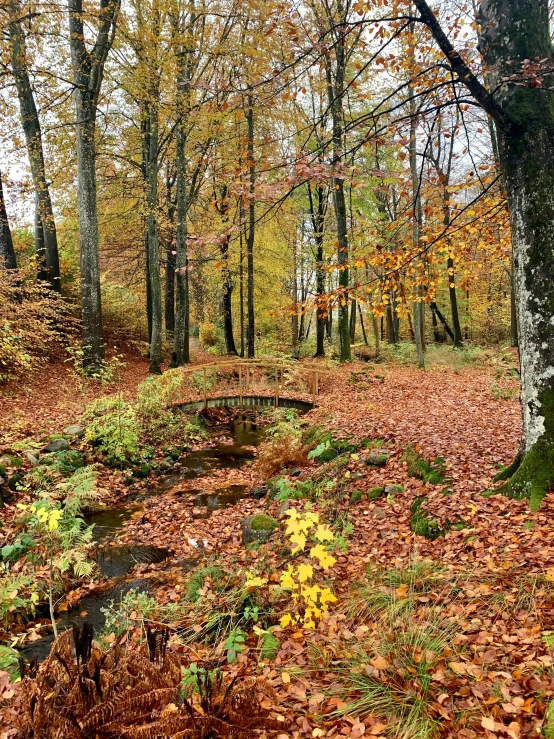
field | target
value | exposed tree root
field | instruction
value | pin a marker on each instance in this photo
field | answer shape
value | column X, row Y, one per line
column 533, row 476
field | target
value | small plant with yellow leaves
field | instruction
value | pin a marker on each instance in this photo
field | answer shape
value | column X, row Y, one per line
column 63, row 538
column 312, row 600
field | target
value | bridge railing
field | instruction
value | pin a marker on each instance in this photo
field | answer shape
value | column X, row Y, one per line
column 268, row 378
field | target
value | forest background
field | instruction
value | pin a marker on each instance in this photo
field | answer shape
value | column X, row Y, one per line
column 273, row 177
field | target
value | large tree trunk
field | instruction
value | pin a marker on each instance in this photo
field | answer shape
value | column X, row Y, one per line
column 181, row 339
column 49, row 268
column 153, row 253
column 91, row 304
column 250, row 328
column 88, row 71
column 7, row 253
column 513, row 31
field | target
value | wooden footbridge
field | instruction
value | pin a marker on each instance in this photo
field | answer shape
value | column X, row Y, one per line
column 250, row 382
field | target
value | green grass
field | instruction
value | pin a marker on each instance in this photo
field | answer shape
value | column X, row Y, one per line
column 389, row 669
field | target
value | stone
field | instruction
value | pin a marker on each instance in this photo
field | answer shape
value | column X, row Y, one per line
column 357, row 476
column 167, row 463
column 14, row 481
column 74, row 430
column 5, row 461
column 200, row 511
column 258, row 528
column 258, row 493
column 379, row 513
column 295, row 472
column 283, row 508
column 377, row 459
column 58, row 445
column 393, row 489
column 2, row 481
column 31, row 459
column 374, row 493
column 356, row 496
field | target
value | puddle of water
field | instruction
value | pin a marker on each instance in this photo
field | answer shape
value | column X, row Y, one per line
column 221, row 497
column 91, row 606
column 117, row 561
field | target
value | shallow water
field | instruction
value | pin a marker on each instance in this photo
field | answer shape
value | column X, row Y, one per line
column 116, row 561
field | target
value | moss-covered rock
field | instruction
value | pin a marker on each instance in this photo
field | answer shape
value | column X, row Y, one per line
column 356, row 496
column 394, row 489
column 377, row 459
column 263, row 522
column 258, row 528
column 374, row 493
column 142, row 470
column 14, row 481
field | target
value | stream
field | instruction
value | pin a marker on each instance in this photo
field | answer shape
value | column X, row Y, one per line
column 117, row 561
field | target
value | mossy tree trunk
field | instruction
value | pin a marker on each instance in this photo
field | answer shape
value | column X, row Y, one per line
column 513, row 31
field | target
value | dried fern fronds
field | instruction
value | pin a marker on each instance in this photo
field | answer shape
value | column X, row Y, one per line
column 133, row 692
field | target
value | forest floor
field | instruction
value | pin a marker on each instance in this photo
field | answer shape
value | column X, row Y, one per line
column 445, row 637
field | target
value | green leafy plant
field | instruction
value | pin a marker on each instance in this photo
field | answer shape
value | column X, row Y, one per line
column 234, row 644
column 112, row 428
column 155, row 418
column 62, row 538
column 135, row 607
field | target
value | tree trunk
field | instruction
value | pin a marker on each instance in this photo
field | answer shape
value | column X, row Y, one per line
column 366, row 342
column 417, row 218
column 155, row 367
column 377, row 334
column 88, row 71
column 181, row 338
column 49, row 269
column 7, row 253
column 391, row 332
column 512, row 32
column 513, row 314
column 169, row 303
column 250, row 328
column 93, row 341
column 226, row 295
column 40, row 256
column 335, row 93
column 353, row 322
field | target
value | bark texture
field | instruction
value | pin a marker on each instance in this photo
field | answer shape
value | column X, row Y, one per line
column 48, row 262
column 88, row 71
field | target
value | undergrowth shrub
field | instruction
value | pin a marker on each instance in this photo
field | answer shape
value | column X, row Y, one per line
column 157, row 421
column 137, row 690
column 113, row 429
column 284, row 448
column 34, row 323
column 209, row 334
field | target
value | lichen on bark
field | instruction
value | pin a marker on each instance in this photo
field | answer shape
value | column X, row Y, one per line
column 534, row 476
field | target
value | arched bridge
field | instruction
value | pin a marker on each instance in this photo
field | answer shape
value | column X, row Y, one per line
column 250, row 383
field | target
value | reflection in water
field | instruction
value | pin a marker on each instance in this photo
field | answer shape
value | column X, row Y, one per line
column 117, row 561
